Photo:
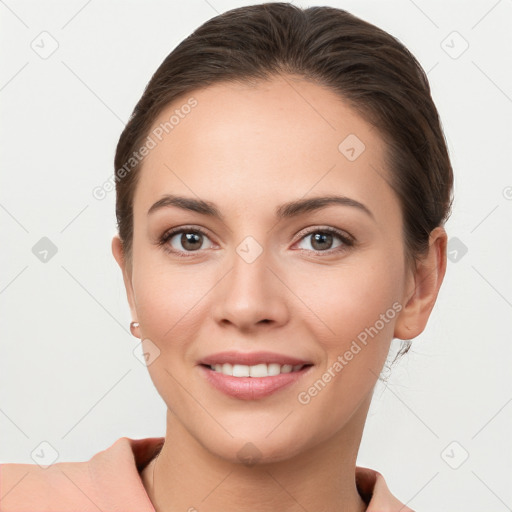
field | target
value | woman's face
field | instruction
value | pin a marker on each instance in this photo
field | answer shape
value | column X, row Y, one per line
column 266, row 276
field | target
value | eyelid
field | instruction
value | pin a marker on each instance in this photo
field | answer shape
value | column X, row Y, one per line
column 347, row 241
column 344, row 235
column 163, row 241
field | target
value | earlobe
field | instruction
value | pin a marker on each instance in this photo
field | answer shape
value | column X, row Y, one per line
column 427, row 278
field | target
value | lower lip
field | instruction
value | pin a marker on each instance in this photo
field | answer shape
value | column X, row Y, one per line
column 251, row 388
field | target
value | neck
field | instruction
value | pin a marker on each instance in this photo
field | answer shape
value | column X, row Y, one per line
column 186, row 477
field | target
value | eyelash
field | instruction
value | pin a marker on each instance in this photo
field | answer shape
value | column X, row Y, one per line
column 348, row 241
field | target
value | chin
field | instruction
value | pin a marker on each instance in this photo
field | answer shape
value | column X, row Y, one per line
column 257, row 445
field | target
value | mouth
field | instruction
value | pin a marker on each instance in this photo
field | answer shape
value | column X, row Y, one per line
column 252, row 376
column 237, row 359
column 257, row 370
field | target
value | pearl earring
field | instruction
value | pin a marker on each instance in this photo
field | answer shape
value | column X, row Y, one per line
column 133, row 326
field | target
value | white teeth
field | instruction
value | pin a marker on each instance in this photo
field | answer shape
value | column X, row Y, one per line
column 241, row 370
column 257, row 370
column 274, row 369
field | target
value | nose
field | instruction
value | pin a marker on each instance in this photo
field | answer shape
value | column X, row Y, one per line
column 253, row 294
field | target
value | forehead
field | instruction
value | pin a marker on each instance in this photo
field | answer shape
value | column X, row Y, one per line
column 281, row 138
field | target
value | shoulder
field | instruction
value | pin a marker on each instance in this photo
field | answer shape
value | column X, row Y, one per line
column 106, row 481
column 29, row 486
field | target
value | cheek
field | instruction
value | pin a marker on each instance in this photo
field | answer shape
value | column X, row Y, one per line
column 170, row 312
column 354, row 303
column 358, row 308
column 168, row 300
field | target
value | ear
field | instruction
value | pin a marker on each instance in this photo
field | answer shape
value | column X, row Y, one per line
column 422, row 288
column 126, row 268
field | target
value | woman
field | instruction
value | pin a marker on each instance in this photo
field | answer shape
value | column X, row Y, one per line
column 268, row 133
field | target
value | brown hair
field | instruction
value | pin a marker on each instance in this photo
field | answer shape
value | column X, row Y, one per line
column 367, row 67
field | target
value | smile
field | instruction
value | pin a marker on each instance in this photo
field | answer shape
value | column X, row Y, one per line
column 257, row 370
column 252, row 382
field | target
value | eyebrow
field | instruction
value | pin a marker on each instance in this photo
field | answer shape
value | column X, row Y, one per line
column 286, row 210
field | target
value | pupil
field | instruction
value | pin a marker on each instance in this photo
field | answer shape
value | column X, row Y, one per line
column 322, row 237
column 188, row 240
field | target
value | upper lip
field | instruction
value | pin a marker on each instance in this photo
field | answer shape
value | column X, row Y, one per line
column 251, row 358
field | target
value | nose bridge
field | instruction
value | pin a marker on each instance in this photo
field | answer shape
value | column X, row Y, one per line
column 251, row 292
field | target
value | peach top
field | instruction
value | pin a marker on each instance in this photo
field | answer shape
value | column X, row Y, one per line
column 110, row 481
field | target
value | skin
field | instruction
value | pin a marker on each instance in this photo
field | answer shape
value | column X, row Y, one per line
column 249, row 149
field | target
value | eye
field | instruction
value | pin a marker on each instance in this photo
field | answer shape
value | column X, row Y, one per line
column 183, row 240
column 323, row 240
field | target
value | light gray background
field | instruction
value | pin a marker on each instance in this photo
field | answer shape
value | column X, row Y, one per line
column 68, row 373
